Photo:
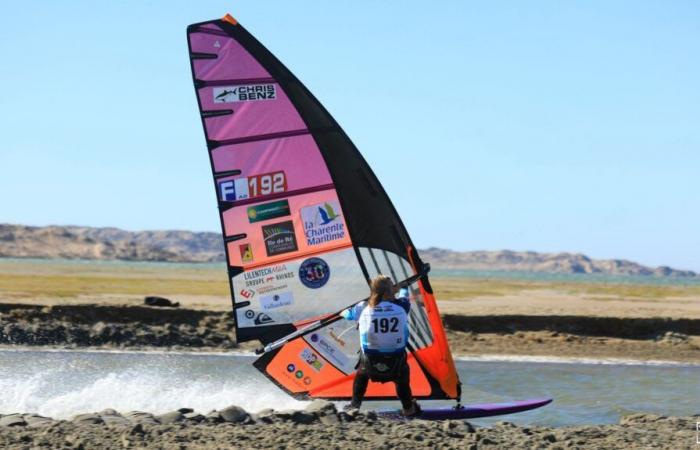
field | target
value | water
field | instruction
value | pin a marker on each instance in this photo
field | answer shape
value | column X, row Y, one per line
column 585, row 278
column 61, row 384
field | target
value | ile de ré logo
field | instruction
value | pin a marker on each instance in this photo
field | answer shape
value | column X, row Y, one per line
column 245, row 93
column 322, row 223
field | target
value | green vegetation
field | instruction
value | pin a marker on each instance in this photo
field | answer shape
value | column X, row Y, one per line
column 26, row 279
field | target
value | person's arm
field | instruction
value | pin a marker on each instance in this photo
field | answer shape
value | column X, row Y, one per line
column 347, row 314
column 353, row 312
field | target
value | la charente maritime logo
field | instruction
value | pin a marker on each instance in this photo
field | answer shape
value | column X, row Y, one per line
column 322, row 223
column 326, row 214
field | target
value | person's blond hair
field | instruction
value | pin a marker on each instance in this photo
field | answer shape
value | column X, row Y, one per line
column 381, row 286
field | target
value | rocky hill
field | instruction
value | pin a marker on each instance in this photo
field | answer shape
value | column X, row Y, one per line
column 543, row 262
column 72, row 242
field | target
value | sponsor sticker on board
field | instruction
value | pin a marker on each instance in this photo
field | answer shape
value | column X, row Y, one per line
column 322, row 223
column 312, row 359
column 245, row 93
column 267, row 211
column 331, row 349
column 279, row 238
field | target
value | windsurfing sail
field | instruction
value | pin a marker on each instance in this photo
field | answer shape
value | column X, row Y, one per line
column 306, row 224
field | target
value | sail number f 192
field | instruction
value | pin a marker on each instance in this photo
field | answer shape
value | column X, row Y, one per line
column 253, row 186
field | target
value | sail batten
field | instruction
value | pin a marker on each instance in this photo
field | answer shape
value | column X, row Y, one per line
column 306, row 223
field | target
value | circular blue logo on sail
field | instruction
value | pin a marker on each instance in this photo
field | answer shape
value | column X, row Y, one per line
column 314, row 273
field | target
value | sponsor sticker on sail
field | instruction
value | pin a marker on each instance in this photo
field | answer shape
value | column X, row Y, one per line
column 246, row 253
column 276, row 301
column 279, row 238
column 253, row 186
column 322, row 223
column 232, row 190
column 245, row 93
column 267, row 211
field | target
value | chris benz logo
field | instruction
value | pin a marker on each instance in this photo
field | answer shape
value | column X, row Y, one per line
column 244, row 93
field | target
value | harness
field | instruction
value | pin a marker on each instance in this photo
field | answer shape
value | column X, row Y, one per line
column 383, row 368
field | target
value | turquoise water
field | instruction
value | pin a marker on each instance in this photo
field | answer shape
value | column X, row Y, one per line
column 435, row 273
column 593, row 278
column 64, row 383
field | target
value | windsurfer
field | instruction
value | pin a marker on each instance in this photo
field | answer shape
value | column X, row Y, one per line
column 383, row 326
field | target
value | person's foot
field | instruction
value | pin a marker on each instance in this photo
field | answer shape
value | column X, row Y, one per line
column 413, row 411
column 351, row 407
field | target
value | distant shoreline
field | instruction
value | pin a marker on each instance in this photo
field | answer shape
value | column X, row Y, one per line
column 438, row 272
column 90, row 243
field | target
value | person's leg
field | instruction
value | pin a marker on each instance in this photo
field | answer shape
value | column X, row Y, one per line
column 359, row 386
column 403, row 387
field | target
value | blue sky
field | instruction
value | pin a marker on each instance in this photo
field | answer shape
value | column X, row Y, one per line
column 547, row 126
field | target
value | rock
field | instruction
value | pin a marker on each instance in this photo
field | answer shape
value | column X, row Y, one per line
column 116, row 421
column 141, row 417
column 321, row 407
column 214, row 417
column 108, row 412
column 249, row 420
column 265, row 412
column 35, row 421
column 12, row 420
column 171, row 417
column 284, row 414
column 349, row 416
column 466, row 427
column 89, row 418
column 329, row 419
column 185, row 410
column 672, row 338
column 266, row 415
column 137, row 429
column 303, row 417
column 448, row 425
column 197, row 417
column 234, row 414
column 160, row 302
